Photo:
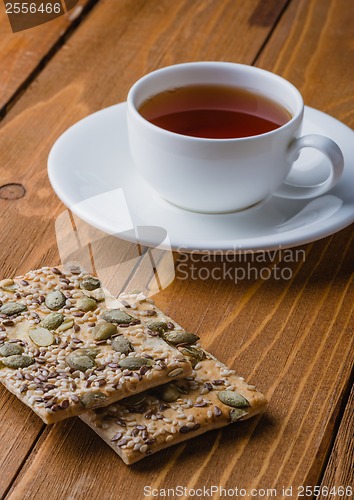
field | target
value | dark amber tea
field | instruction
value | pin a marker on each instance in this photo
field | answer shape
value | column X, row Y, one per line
column 214, row 112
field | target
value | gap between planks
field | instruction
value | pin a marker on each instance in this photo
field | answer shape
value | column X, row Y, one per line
column 62, row 39
column 270, row 34
column 43, row 429
column 337, row 438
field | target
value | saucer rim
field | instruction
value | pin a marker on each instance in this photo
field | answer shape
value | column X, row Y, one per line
column 255, row 244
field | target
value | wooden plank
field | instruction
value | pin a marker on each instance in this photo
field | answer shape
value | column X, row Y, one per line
column 293, row 338
column 118, row 42
column 21, row 424
column 288, row 347
column 339, row 474
column 313, row 43
column 21, row 53
column 287, row 337
column 310, row 48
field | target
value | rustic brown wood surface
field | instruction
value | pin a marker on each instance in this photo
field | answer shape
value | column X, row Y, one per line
column 340, row 468
column 25, row 53
column 292, row 338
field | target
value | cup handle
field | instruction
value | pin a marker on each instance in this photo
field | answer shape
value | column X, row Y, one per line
column 326, row 146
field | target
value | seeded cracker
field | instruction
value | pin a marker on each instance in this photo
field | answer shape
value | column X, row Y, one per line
column 211, row 397
column 67, row 345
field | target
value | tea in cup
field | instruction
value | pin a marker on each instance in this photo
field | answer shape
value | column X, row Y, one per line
column 219, row 137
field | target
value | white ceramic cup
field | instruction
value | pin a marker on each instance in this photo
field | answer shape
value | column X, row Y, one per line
column 224, row 175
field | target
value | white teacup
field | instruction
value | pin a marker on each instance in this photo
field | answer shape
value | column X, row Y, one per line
column 224, row 175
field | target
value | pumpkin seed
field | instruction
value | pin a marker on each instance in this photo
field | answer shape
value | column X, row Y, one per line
column 98, row 295
column 193, row 352
column 12, row 308
column 181, row 337
column 122, row 345
column 10, row 349
column 17, row 361
column 92, row 400
column 158, row 326
column 236, row 414
column 168, row 393
column 104, row 331
column 81, row 363
column 41, row 337
column 90, row 283
column 135, row 400
column 134, row 363
column 117, row 316
column 182, row 386
column 86, row 304
column 53, row 321
column 55, row 300
column 232, row 398
column 80, row 360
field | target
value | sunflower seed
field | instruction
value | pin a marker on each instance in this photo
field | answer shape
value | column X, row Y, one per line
column 7, row 282
column 8, row 322
column 117, row 437
column 176, row 372
column 56, row 271
column 68, row 323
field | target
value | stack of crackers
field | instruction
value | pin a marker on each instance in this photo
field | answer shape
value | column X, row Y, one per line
column 137, row 378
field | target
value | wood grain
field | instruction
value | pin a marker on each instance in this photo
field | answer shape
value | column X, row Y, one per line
column 314, row 47
column 117, row 43
column 291, row 337
column 16, row 437
column 340, row 469
column 21, row 53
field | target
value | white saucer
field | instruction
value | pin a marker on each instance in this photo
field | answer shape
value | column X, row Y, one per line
column 91, row 170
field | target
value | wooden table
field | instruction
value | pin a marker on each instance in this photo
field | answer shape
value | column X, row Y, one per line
column 292, row 338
